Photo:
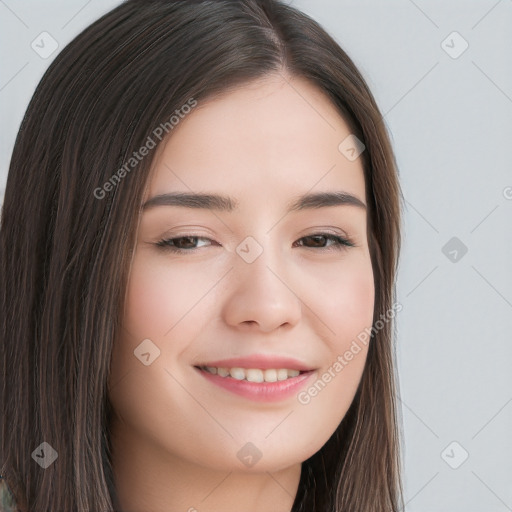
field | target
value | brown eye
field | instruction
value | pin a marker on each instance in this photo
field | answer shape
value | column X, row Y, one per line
column 319, row 240
column 180, row 243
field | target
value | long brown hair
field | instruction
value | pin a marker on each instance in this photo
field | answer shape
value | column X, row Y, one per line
column 65, row 248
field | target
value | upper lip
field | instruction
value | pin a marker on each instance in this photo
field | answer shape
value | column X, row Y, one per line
column 261, row 361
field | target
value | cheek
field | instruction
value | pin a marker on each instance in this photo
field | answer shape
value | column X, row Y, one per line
column 161, row 299
column 162, row 304
column 346, row 308
column 345, row 302
column 152, row 294
column 355, row 303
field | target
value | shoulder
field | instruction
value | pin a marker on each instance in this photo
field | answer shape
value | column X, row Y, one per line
column 7, row 503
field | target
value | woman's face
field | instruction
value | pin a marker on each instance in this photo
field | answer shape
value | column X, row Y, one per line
column 251, row 282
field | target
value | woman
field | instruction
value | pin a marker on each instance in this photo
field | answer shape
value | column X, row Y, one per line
column 252, row 371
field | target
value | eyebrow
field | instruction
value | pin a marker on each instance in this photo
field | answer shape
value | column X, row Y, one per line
column 229, row 204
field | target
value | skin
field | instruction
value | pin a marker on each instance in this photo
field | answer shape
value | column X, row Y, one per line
column 175, row 435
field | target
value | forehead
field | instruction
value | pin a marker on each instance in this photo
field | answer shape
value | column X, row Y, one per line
column 272, row 138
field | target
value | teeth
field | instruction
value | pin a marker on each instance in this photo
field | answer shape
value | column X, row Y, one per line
column 223, row 372
column 270, row 375
column 282, row 374
column 237, row 373
column 253, row 374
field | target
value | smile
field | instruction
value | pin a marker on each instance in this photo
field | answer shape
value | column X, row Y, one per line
column 253, row 374
column 269, row 385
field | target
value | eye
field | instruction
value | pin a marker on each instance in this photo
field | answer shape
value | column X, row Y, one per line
column 176, row 244
column 339, row 242
column 187, row 243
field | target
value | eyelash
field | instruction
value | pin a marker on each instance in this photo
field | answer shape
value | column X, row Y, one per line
column 339, row 245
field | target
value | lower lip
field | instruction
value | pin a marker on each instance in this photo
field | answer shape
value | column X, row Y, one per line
column 260, row 391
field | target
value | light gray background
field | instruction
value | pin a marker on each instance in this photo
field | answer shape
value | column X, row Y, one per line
column 451, row 125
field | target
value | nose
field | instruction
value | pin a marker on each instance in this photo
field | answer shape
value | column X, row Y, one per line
column 262, row 294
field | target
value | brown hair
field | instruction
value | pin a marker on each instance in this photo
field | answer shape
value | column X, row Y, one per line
column 65, row 253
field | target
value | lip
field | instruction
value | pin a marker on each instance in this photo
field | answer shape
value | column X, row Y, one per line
column 260, row 361
column 260, row 391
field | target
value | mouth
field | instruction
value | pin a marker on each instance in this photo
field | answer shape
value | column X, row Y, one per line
column 257, row 384
column 257, row 375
